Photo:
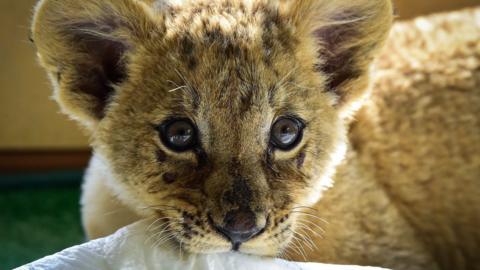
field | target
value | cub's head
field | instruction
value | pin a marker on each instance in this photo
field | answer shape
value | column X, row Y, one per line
column 221, row 119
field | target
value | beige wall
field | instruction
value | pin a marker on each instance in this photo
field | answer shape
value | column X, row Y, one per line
column 410, row 8
column 29, row 119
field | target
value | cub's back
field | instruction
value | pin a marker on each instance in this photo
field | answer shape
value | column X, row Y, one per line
column 421, row 128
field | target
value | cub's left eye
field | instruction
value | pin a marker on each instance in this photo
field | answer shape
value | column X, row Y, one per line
column 178, row 134
column 286, row 133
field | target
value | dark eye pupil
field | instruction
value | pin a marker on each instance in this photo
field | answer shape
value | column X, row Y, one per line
column 285, row 133
column 286, row 129
column 179, row 135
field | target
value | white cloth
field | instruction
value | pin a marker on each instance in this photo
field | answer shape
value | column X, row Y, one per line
column 126, row 249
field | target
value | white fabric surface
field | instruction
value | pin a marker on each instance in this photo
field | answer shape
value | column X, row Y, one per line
column 126, row 249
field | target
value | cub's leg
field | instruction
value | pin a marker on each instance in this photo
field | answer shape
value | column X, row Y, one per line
column 102, row 212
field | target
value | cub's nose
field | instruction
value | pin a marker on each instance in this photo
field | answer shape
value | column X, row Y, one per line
column 240, row 226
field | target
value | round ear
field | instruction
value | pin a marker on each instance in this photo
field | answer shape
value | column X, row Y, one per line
column 84, row 46
column 347, row 34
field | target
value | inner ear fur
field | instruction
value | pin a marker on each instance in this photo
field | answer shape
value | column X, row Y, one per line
column 84, row 46
column 346, row 35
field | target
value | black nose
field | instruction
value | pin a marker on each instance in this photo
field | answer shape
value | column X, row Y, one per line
column 240, row 226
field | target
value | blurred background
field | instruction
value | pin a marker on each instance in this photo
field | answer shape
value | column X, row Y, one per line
column 43, row 154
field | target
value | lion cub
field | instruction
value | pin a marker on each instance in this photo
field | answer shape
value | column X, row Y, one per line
column 229, row 124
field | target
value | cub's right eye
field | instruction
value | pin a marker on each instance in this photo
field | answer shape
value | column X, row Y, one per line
column 178, row 134
column 286, row 133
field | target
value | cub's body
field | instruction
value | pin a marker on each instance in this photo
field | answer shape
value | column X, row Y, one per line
column 405, row 189
column 409, row 189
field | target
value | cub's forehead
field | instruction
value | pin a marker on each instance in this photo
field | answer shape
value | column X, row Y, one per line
column 246, row 23
column 223, row 49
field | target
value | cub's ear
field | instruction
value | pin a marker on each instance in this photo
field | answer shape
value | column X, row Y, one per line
column 85, row 47
column 346, row 36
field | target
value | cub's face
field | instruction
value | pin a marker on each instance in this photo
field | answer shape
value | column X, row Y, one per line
column 224, row 129
column 223, row 121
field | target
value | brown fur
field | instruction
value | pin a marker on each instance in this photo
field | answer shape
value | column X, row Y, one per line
column 122, row 67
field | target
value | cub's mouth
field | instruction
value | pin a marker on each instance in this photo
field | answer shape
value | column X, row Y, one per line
column 241, row 231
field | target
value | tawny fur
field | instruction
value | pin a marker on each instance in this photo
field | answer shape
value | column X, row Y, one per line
column 406, row 194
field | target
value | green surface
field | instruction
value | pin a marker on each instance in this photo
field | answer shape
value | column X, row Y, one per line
column 41, row 179
column 37, row 222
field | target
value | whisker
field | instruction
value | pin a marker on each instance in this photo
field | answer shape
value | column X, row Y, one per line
column 155, row 221
column 309, row 237
column 289, row 254
column 294, row 247
column 305, row 207
column 164, row 210
column 282, row 81
column 158, row 242
column 302, row 239
column 313, row 224
column 305, row 239
column 298, row 247
column 299, row 241
column 177, row 88
column 160, row 219
column 165, row 239
column 180, row 248
column 174, row 83
column 310, row 215
column 154, row 235
column 164, row 228
column 161, row 208
column 166, row 224
column 160, row 239
column 161, row 205
column 305, row 227
column 284, row 254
